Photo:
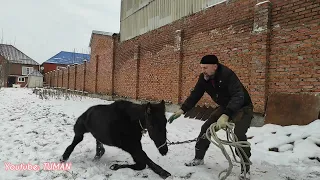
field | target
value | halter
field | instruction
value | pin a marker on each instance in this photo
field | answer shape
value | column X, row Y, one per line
column 144, row 130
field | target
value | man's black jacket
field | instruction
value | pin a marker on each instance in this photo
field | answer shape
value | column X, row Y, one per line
column 225, row 89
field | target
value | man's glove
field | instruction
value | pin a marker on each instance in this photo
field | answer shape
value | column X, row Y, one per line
column 222, row 121
column 175, row 115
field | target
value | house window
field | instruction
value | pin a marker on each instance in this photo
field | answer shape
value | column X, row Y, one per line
column 21, row 79
column 27, row 70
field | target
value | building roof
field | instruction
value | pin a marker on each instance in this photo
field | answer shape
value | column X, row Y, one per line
column 35, row 73
column 100, row 33
column 14, row 55
column 68, row 58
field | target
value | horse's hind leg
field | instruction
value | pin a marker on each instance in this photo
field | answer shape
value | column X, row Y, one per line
column 76, row 140
column 79, row 130
column 99, row 150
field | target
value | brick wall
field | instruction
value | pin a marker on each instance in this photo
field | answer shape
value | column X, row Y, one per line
column 295, row 47
column 103, row 47
column 273, row 46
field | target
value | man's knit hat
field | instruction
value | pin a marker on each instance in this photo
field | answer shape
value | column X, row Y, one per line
column 209, row 59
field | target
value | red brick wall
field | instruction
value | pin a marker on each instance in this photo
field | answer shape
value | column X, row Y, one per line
column 125, row 71
column 295, row 47
column 103, row 47
column 272, row 47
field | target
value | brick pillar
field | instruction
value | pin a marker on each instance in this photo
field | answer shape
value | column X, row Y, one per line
column 115, row 41
column 178, row 56
column 50, row 78
column 57, row 78
column 75, row 77
column 96, row 78
column 84, row 75
column 68, row 83
column 62, row 72
column 260, row 42
column 136, row 57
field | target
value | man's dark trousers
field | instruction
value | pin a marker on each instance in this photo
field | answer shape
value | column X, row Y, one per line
column 242, row 120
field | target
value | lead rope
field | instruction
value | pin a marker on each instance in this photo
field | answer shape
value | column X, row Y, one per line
column 238, row 145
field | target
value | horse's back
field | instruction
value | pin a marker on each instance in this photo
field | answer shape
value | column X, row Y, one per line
column 105, row 122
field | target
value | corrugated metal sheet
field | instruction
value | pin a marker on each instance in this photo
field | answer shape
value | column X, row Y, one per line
column 141, row 16
column 68, row 58
column 14, row 55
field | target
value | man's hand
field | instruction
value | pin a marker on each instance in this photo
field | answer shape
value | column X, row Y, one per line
column 175, row 115
column 222, row 121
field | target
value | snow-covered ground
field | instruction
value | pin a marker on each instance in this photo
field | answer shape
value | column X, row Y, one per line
column 35, row 131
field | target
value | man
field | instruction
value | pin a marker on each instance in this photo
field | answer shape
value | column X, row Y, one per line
column 235, row 105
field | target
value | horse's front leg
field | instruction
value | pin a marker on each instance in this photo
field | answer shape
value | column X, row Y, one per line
column 155, row 167
column 141, row 159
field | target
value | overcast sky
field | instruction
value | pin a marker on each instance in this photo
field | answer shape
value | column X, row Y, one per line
column 43, row 28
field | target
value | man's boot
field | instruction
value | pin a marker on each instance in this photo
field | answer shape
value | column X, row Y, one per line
column 244, row 176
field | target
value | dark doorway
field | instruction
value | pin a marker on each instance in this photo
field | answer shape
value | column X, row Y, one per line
column 11, row 81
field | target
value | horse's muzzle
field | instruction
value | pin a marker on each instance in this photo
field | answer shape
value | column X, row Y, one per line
column 163, row 149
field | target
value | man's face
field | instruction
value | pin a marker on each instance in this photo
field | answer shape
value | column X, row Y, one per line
column 208, row 69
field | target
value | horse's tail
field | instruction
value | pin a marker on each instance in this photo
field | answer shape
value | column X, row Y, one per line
column 79, row 127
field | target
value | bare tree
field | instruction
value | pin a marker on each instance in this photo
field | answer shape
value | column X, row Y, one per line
column 4, row 72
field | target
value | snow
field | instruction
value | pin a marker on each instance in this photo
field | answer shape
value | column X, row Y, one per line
column 37, row 131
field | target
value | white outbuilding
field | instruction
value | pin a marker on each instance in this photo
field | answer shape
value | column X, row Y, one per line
column 35, row 79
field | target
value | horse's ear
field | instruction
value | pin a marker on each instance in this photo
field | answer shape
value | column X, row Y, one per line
column 162, row 102
column 148, row 108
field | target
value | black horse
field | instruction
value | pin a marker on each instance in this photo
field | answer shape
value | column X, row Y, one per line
column 122, row 124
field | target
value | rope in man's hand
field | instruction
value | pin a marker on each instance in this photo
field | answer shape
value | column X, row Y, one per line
column 238, row 145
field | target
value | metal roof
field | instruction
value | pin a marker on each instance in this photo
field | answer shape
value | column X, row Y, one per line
column 35, row 73
column 68, row 58
column 14, row 55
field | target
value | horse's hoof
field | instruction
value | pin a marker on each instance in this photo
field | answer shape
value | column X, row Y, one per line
column 115, row 167
column 63, row 160
column 98, row 155
column 96, row 158
column 165, row 174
